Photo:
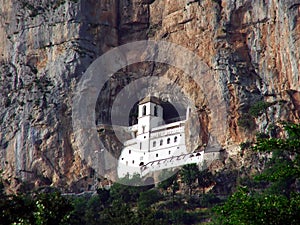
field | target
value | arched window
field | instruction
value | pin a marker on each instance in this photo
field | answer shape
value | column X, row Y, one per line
column 144, row 110
column 154, row 144
column 161, row 142
column 132, row 161
column 155, row 110
column 175, row 139
column 156, row 155
column 168, row 141
column 129, row 151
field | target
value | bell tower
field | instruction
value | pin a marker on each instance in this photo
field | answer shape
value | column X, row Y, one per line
column 150, row 115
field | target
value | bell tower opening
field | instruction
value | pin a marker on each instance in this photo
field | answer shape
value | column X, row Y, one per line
column 169, row 112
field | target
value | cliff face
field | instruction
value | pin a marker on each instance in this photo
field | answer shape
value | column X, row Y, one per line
column 251, row 47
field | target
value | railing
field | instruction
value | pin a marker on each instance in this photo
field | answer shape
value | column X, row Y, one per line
column 130, row 142
column 174, row 161
column 166, row 132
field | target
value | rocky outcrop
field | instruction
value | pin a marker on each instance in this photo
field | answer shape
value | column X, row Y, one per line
column 250, row 47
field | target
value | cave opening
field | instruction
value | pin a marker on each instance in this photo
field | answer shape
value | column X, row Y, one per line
column 171, row 113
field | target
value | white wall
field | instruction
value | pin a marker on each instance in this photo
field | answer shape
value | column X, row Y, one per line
column 141, row 149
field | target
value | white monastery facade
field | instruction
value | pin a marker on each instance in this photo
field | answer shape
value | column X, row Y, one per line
column 154, row 145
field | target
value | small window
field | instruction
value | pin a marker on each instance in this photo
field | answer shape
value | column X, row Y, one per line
column 144, row 137
column 140, row 145
column 155, row 110
column 161, row 142
column 154, row 144
column 168, row 141
column 129, row 151
column 169, row 152
column 126, row 163
column 175, row 139
column 122, row 158
column 156, row 155
column 144, row 110
column 132, row 161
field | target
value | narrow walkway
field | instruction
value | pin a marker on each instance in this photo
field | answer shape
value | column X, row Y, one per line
column 170, row 162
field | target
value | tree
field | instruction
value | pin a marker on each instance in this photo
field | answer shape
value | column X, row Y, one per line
column 189, row 174
column 167, row 179
column 118, row 213
column 205, row 179
column 148, row 198
column 278, row 202
column 52, row 209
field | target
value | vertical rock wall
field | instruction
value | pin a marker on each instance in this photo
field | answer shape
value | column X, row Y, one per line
column 251, row 48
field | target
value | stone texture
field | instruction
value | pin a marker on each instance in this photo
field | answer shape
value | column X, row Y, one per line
column 251, row 49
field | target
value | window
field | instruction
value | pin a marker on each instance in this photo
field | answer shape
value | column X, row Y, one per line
column 144, row 110
column 129, row 151
column 126, row 163
column 161, row 142
column 132, row 161
column 122, row 158
column 175, row 139
column 169, row 152
column 156, row 155
column 143, row 127
column 168, row 141
column 140, row 145
column 154, row 144
column 155, row 110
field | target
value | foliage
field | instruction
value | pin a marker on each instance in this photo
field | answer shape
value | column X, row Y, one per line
column 245, row 145
column 167, row 179
column 149, row 197
column 259, row 108
column 246, row 121
column 40, row 209
column 244, row 207
column 52, row 209
column 278, row 202
column 127, row 193
column 189, row 174
column 205, row 179
column 77, row 216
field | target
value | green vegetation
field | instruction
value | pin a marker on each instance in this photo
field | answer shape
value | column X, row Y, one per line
column 247, row 120
column 259, row 108
column 189, row 173
column 51, row 208
column 277, row 201
column 270, row 197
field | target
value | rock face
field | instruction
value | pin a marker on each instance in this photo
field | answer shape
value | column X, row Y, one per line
column 252, row 50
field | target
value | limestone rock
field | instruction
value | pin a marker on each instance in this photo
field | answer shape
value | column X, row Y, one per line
column 251, row 48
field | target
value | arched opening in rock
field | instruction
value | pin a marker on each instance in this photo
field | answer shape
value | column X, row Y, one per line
column 170, row 113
